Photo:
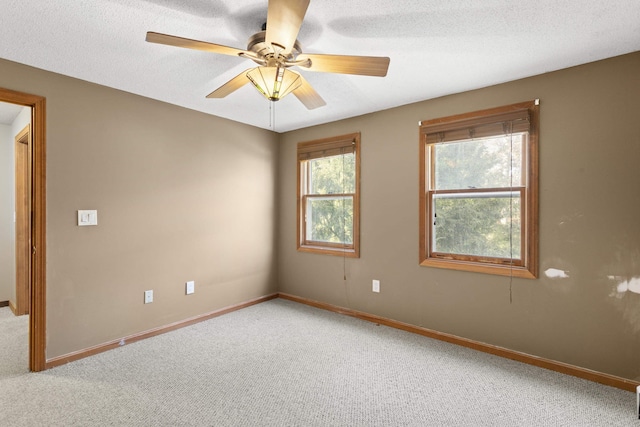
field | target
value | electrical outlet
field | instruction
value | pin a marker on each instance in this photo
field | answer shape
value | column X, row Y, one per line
column 148, row 297
column 376, row 286
column 191, row 287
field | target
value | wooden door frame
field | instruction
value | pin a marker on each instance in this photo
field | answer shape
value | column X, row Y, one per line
column 22, row 156
column 37, row 305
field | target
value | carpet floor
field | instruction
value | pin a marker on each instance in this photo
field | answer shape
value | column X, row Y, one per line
column 280, row 363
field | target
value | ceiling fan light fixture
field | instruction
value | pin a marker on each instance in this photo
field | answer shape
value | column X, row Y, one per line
column 274, row 82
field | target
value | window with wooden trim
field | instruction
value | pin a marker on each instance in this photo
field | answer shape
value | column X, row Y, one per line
column 328, row 196
column 479, row 191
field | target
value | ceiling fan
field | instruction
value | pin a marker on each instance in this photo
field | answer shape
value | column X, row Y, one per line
column 275, row 50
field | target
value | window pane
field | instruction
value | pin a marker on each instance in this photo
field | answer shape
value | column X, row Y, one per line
column 330, row 219
column 478, row 224
column 333, row 175
column 479, row 163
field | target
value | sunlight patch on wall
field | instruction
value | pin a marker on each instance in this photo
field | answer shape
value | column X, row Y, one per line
column 625, row 297
column 624, row 286
column 559, row 275
column 554, row 273
column 630, row 285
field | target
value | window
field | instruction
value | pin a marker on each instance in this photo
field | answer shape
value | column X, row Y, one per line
column 328, row 196
column 479, row 191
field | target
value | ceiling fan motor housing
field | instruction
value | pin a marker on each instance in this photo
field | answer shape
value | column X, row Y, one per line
column 264, row 50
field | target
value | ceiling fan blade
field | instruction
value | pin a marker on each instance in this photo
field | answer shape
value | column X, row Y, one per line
column 345, row 64
column 308, row 96
column 191, row 44
column 231, row 86
column 284, row 18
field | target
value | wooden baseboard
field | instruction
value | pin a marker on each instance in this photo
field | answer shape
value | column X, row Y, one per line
column 564, row 368
column 4, row 304
column 13, row 308
column 76, row 355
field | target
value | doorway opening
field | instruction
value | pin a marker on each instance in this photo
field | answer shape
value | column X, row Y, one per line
column 22, row 221
column 33, row 227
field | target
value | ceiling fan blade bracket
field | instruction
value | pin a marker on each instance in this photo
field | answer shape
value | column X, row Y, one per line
column 306, row 63
column 255, row 58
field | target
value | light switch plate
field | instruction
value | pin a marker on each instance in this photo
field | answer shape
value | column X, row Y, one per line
column 148, row 297
column 87, row 217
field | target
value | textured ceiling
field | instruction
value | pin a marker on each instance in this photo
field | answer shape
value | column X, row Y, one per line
column 436, row 47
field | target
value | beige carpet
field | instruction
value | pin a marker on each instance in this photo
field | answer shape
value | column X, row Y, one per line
column 14, row 344
column 284, row 364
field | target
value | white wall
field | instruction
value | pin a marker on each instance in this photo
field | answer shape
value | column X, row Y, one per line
column 23, row 119
column 7, row 204
column 7, row 200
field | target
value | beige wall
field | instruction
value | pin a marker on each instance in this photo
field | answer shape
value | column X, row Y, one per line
column 7, row 231
column 589, row 225
column 180, row 196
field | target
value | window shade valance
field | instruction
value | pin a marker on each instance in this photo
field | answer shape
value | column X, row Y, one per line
column 468, row 126
column 326, row 148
